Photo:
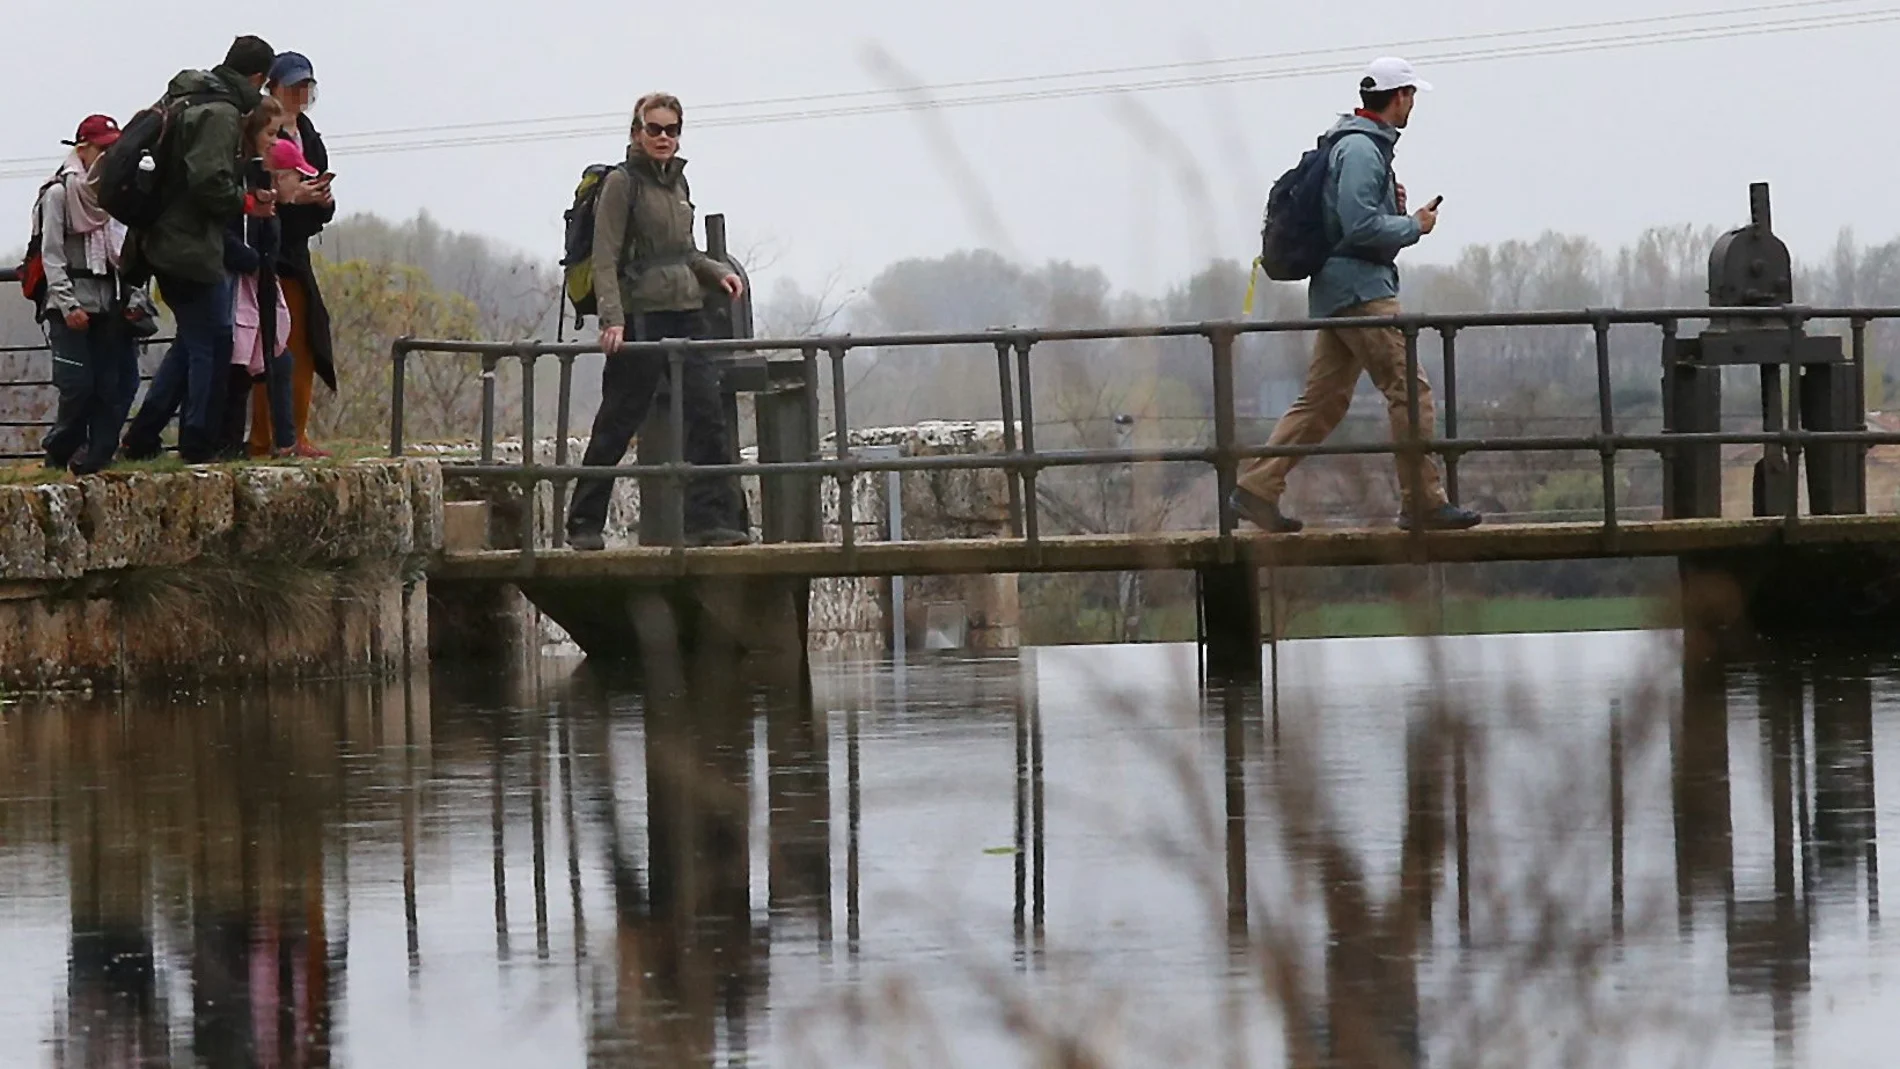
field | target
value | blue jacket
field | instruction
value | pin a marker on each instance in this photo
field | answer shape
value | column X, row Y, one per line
column 1362, row 213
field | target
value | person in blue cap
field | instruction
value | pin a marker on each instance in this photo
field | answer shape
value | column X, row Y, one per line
column 292, row 82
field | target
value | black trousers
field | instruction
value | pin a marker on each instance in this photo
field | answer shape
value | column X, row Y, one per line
column 627, row 386
column 96, row 372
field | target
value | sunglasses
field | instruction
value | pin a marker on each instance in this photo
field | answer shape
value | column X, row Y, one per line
column 669, row 130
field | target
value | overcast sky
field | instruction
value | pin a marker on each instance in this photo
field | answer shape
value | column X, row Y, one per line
column 1600, row 141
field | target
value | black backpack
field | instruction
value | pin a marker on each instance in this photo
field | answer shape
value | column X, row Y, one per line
column 132, row 174
column 1293, row 241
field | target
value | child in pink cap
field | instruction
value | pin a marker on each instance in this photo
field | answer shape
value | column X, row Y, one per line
column 260, row 350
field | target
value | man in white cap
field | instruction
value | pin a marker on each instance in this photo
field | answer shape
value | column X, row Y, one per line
column 1364, row 216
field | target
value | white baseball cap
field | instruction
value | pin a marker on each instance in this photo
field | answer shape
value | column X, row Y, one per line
column 1390, row 72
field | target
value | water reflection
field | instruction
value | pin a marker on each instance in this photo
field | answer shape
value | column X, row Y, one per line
column 570, row 868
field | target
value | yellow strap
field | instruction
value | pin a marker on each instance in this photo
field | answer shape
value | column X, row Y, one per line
column 1253, row 275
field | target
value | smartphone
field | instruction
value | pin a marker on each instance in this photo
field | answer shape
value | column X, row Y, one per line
column 1436, row 201
column 256, row 175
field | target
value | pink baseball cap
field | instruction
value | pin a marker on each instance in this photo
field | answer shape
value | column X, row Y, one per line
column 286, row 156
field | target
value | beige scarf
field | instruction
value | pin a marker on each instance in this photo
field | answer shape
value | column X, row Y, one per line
column 105, row 236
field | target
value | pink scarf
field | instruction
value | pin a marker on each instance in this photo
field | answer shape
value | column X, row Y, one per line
column 105, row 236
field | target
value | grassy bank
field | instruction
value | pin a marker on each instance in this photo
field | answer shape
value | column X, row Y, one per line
column 1373, row 619
column 1483, row 616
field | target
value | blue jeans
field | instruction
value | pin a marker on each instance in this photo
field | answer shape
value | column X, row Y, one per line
column 96, row 372
column 190, row 383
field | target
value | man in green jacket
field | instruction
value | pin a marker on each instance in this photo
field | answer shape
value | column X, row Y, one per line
column 203, row 192
column 651, row 281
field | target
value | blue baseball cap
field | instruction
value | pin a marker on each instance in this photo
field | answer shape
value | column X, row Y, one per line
column 291, row 68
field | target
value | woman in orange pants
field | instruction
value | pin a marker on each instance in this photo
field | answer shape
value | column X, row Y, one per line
column 293, row 82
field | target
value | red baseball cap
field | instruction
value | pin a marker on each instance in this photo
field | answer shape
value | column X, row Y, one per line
column 97, row 130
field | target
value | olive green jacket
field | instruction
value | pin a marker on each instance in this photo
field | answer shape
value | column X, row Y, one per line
column 643, row 237
column 204, row 181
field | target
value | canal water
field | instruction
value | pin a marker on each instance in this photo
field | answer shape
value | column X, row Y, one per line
column 1519, row 850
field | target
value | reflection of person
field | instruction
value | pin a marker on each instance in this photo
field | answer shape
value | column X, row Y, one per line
column 307, row 208
column 95, row 357
column 185, row 250
column 1365, row 217
column 643, row 239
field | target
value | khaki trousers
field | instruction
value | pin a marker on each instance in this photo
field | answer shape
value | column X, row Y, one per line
column 1339, row 356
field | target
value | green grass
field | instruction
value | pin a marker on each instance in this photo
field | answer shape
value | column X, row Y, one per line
column 1482, row 616
column 32, row 473
column 1377, row 619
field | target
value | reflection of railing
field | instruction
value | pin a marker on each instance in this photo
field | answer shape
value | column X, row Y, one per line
column 1022, row 460
column 13, row 392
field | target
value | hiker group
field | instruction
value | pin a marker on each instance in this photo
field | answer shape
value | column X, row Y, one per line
column 209, row 198
column 214, row 193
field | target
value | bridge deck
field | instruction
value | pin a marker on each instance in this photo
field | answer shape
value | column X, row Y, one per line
column 1174, row 550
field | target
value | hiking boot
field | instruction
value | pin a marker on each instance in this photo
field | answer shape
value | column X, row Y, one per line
column 586, row 541
column 718, row 536
column 1262, row 513
column 1445, row 517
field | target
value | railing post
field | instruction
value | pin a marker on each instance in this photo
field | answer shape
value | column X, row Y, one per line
column 1031, row 527
column 1448, row 340
column 1606, row 421
column 488, row 408
column 1011, row 476
column 1411, row 451
column 1221, row 345
column 531, row 488
column 563, row 416
column 841, row 432
column 1857, row 334
column 398, row 356
column 676, row 464
column 1791, row 503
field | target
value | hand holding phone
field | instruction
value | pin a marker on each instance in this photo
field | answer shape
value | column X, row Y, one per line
column 1428, row 215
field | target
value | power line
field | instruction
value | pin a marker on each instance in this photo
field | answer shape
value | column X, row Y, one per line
column 1103, row 72
column 859, row 103
column 1185, row 82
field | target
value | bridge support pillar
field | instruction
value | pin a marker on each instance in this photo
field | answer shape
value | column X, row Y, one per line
column 1229, row 607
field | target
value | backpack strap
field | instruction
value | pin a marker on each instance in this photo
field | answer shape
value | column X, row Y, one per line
column 39, row 201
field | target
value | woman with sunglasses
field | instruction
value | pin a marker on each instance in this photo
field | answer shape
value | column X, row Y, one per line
column 643, row 239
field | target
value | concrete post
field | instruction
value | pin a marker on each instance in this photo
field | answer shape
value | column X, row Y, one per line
column 1229, row 601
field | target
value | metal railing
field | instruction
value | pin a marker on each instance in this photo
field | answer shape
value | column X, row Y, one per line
column 1024, row 462
column 10, row 390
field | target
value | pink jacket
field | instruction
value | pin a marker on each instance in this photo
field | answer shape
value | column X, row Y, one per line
column 247, row 333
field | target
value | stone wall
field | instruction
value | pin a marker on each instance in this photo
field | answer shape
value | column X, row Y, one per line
column 934, row 505
column 209, row 573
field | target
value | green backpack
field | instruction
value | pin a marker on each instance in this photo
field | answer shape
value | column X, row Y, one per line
column 577, row 265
